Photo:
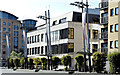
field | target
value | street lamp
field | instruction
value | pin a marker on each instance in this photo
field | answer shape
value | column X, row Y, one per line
column 82, row 5
column 23, row 27
column 48, row 37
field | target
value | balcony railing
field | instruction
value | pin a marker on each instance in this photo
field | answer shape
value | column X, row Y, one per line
column 104, row 20
column 104, row 5
column 104, row 49
column 104, row 35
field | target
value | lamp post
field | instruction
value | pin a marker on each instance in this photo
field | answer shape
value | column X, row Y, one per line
column 48, row 37
column 25, row 44
column 82, row 5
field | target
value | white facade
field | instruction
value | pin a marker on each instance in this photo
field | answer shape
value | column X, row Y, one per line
column 66, row 38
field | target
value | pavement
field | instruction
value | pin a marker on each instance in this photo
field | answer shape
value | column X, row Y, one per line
column 5, row 71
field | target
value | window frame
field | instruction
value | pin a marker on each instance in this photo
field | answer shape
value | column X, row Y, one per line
column 111, row 10
column 117, row 12
column 112, row 29
column 115, row 28
column 116, row 43
column 111, row 44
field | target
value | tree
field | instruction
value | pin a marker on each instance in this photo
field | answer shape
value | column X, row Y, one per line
column 66, row 61
column 79, row 60
column 114, row 62
column 44, row 63
column 99, row 61
column 22, row 61
column 36, row 61
column 55, row 62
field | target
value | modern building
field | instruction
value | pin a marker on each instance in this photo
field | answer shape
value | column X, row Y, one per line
column 9, row 22
column 30, row 24
column 109, row 28
column 66, row 36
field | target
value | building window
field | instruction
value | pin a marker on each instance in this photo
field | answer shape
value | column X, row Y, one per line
column 42, row 50
column 111, row 28
column 116, row 11
column 56, row 35
column 9, row 35
column 9, row 24
column 111, row 12
column 71, row 33
column 15, row 27
column 41, row 37
column 4, row 23
column 4, row 29
column 3, row 52
column 22, row 36
column 54, row 22
column 38, row 50
column 71, row 47
column 116, row 44
column 4, row 41
column 116, row 27
column 15, row 42
column 62, row 20
column 8, row 29
column 4, row 35
column 32, row 51
column 38, row 39
column 15, row 33
column 111, row 44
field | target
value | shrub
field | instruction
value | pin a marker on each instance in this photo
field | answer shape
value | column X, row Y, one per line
column 16, row 62
column 99, row 61
column 114, row 62
column 44, row 63
column 36, row 61
column 55, row 62
column 30, row 62
column 66, row 61
column 22, row 61
column 79, row 60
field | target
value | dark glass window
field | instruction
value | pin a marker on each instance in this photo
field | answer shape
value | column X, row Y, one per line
column 111, row 12
column 4, row 41
column 116, row 11
column 4, row 35
column 111, row 28
column 4, row 23
column 8, row 29
column 4, row 29
column 42, row 37
column 111, row 44
column 42, row 50
column 15, row 33
column 116, row 27
column 15, row 27
column 9, row 24
column 54, row 22
column 116, row 44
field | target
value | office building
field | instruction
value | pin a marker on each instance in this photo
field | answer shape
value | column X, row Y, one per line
column 66, row 36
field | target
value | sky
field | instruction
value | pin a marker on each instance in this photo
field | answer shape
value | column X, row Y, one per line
column 30, row 9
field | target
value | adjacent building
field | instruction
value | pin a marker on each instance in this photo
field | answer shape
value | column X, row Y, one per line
column 66, row 36
column 9, row 22
column 109, row 28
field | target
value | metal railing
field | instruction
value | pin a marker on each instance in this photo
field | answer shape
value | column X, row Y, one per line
column 104, row 35
column 104, row 5
column 104, row 20
column 104, row 49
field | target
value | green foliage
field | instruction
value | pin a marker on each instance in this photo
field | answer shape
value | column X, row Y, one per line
column 30, row 62
column 114, row 62
column 99, row 61
column 22, row 61
column 16, row 62
column 79, row 60
column 55, row 61
column 66, row 61
column 44, row 63
column 36, row 61
column 13, row 54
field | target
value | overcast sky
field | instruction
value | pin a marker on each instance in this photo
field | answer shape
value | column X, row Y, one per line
column 30, row 9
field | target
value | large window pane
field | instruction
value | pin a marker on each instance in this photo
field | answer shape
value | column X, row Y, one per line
column 111, row 44
column 116, row 27
column 116, row 44
column 116, row 11
column 15, row 33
